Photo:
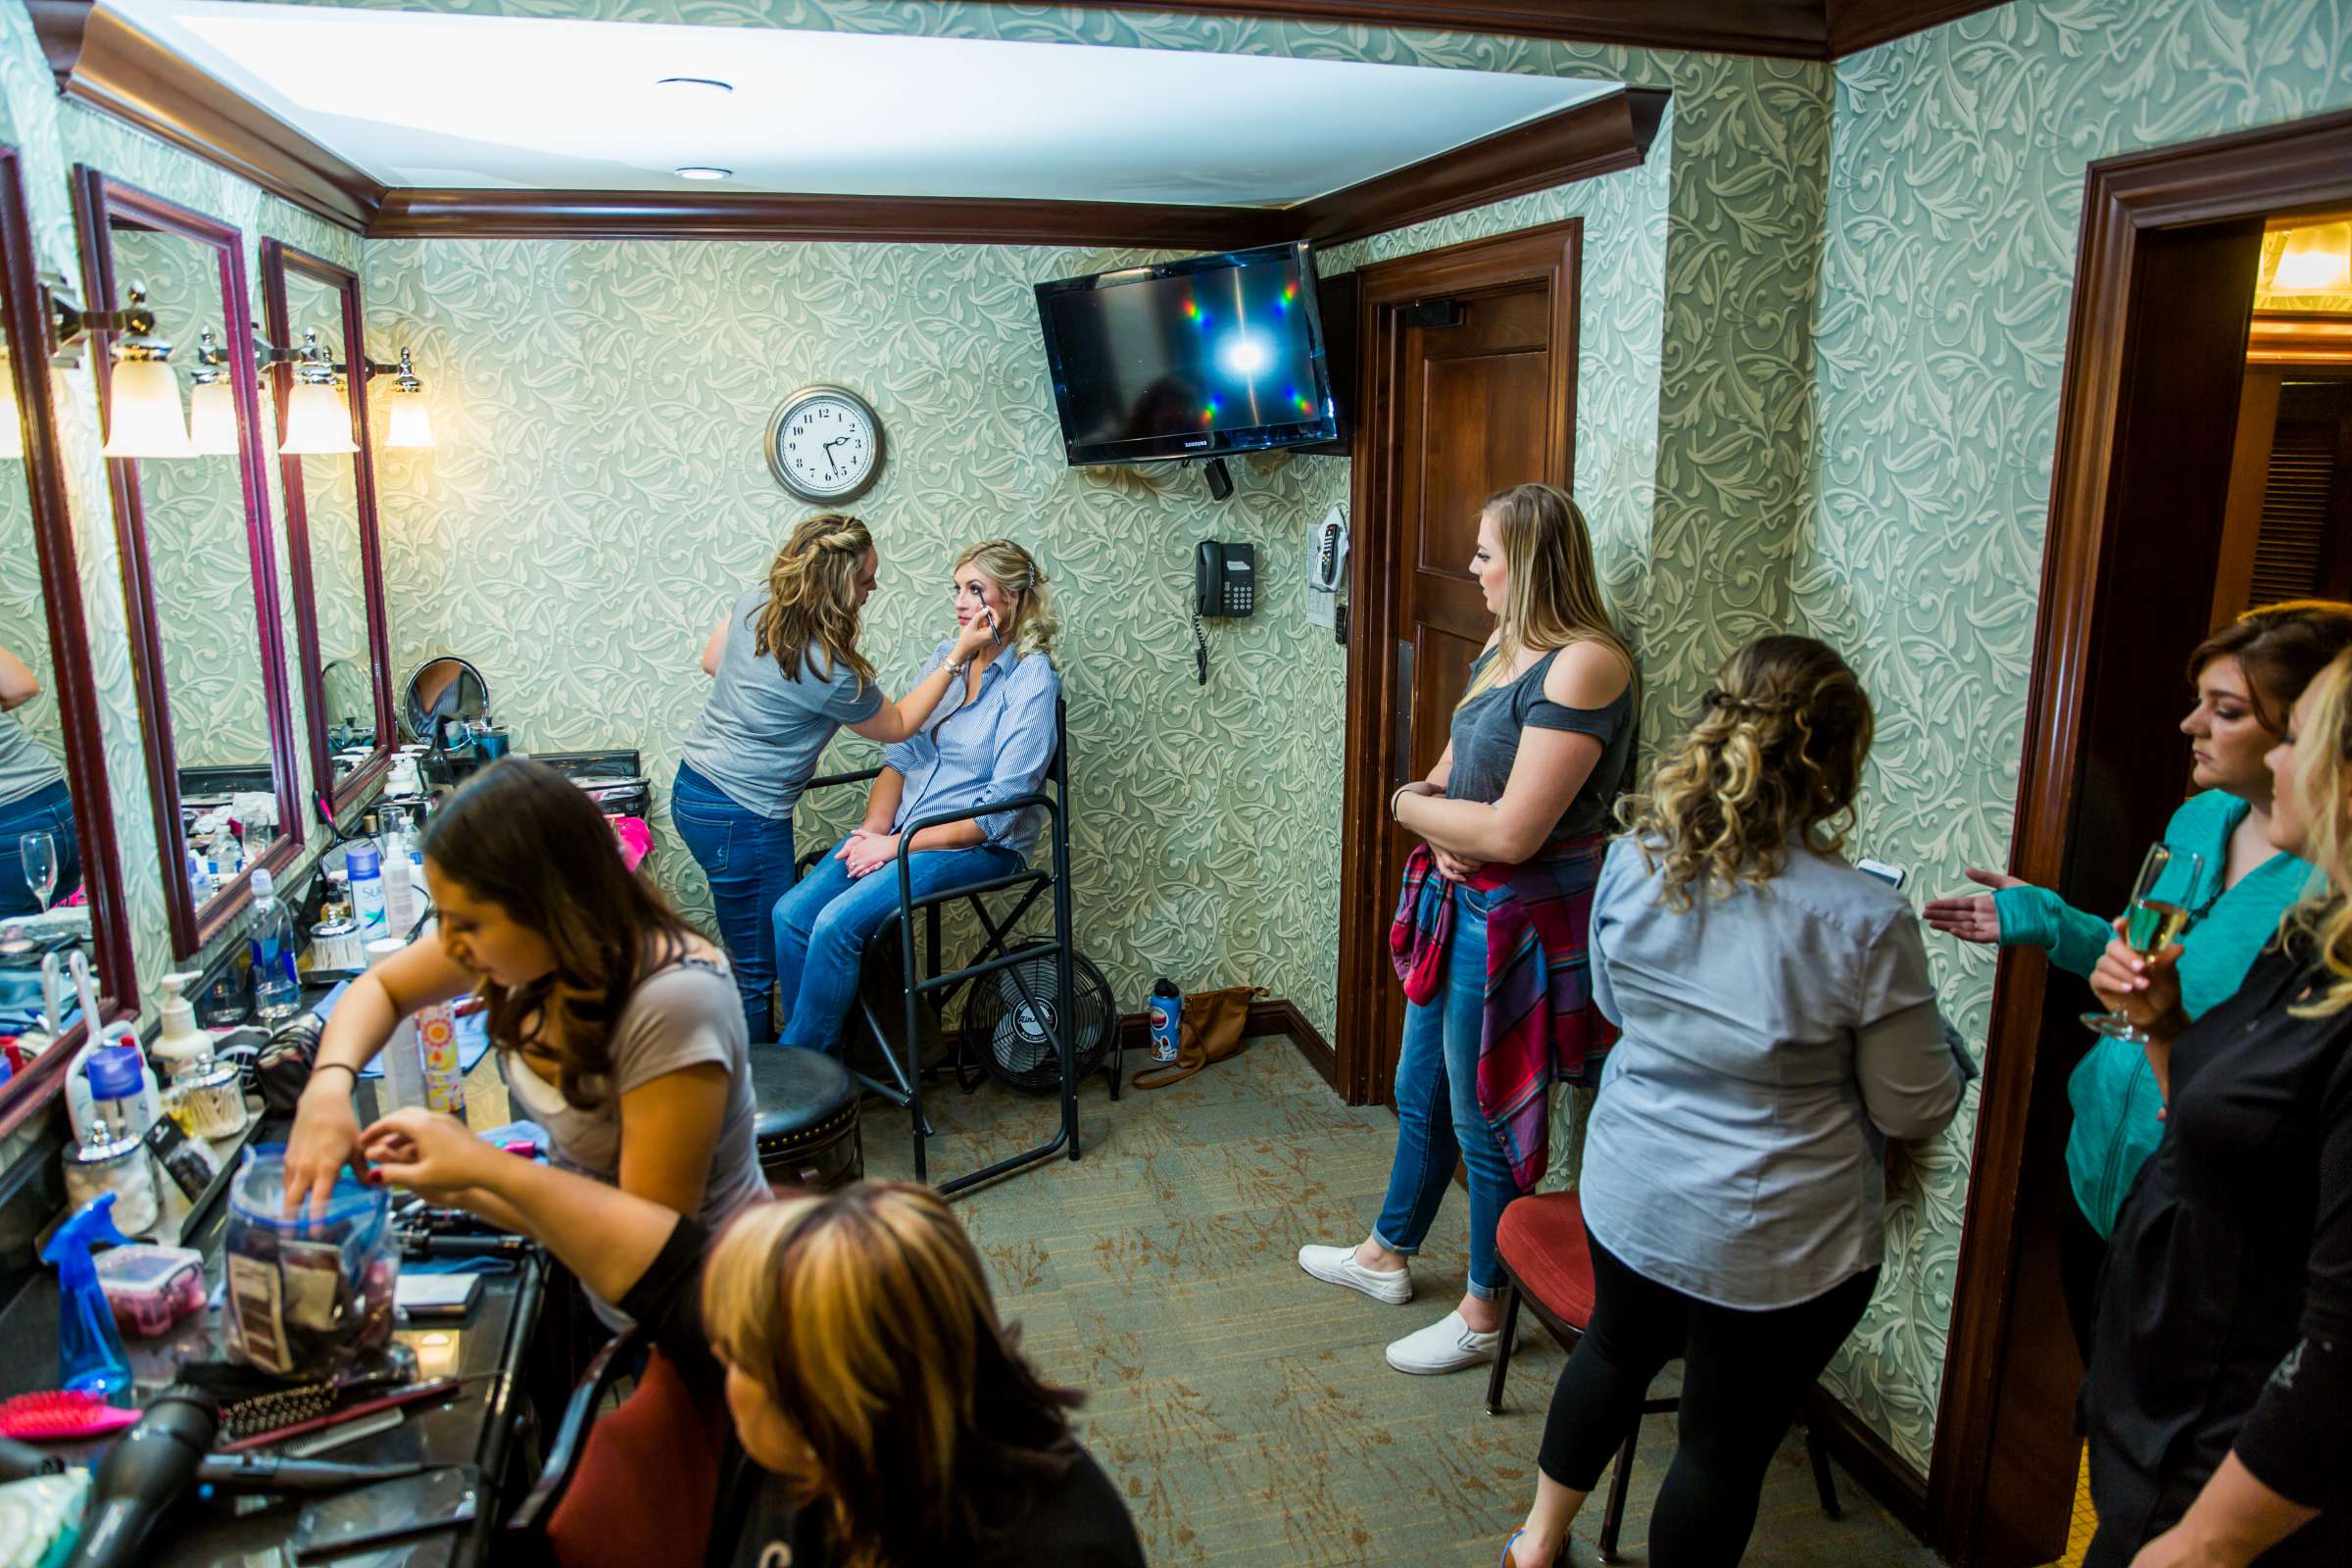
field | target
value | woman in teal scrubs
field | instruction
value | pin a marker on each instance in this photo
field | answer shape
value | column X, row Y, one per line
column 2247, row 676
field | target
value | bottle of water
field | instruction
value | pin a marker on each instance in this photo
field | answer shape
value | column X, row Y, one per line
column 276, row 987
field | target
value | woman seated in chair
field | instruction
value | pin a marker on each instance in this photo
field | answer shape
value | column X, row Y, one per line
column 860, row 1353
column 992, row 738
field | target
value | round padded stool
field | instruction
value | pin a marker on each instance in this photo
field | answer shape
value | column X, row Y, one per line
column 807, row 1124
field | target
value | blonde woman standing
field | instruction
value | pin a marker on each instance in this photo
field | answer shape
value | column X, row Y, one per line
column 786, row 673
column 1778, row 1028
column 1490, row 927
column 992, row 740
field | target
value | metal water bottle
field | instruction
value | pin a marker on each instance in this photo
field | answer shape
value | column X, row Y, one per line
column 1167, row 1018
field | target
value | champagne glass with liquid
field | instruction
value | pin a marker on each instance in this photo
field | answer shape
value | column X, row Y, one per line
column 2159, row 912
column 38, row 853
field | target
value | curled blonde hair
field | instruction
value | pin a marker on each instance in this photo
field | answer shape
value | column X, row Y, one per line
column 1016, row 572
column 1778, row 752
column 864, row 1317
column 2323, row 776
column 812, row 596
column 1551, row 591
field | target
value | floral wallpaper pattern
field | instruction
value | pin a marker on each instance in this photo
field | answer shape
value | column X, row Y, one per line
column 1822, row 328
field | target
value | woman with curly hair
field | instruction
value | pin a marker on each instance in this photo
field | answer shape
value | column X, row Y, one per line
column 785, row 674
column 1778, row 1028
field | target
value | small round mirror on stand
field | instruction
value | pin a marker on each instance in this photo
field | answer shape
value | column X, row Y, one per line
column 442, row 699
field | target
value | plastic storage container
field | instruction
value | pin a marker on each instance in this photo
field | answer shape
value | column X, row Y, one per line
column 151, row 1287
column 111, row 1160
column 305, row 1297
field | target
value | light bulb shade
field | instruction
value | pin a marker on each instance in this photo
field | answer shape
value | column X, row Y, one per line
column 317, row 422
column 11, row 428
column 411, row 425
column 143, row 418
column 2315, row 260
column 213, row 421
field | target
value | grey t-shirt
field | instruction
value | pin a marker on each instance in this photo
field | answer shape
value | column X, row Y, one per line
column 683, row 1017
column 1486, row 742
column 760, row 734
column 26, row 765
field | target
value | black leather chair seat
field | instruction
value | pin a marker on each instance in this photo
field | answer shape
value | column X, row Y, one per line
column 807, row 1121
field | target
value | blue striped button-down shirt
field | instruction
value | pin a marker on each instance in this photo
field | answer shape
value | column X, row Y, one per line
column 995, row 746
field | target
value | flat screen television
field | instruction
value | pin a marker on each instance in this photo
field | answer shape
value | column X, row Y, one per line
column 1190, row 358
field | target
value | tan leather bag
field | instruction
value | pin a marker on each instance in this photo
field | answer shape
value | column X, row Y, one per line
column 1212, row 1030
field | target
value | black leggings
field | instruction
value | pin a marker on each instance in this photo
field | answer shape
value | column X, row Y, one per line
column 1742, row 1375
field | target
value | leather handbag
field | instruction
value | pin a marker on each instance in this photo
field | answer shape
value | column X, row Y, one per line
column 1213, row 1028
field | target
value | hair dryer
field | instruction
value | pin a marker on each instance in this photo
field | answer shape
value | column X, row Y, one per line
column 147, row 1470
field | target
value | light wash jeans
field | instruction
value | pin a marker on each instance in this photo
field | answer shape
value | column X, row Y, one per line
column 1437, row 1107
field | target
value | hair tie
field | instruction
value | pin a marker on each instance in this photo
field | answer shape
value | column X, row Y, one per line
column 1748, row 706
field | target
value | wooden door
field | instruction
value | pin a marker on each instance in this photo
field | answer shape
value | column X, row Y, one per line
column 1470, row 365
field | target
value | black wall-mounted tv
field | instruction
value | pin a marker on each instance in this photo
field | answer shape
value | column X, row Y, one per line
column 1190, row 358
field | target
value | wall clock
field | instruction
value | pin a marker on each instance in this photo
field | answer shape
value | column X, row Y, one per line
column 824, row 444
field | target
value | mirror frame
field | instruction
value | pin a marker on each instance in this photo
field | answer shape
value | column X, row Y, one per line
column 27, row 337
column 100, row 199
column 277, row 260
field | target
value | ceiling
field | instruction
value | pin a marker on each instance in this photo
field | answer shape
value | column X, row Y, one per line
column 833, row 113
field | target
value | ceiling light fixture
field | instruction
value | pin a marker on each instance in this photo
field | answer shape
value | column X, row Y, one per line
column 697, row 84
column 705, row 172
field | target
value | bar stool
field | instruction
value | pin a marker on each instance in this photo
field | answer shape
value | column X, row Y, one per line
column 808, row 1126
column 1547, row 1262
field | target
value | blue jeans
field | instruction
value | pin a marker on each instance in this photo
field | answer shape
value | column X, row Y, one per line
column 821, row 926
column 48, row 810
column 1437, row 1107
column 747, row 859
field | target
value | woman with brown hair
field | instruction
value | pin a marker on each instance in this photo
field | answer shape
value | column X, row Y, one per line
column 1779, row 1027
column 2246, row 676
column 785, row 673
column 1490, row 931
column 616, row 1023
column 860, row 1353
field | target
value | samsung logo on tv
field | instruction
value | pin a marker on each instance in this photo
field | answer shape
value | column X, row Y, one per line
column 1201, row 443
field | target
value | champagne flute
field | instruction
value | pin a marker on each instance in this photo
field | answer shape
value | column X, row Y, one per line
column 2159, row 912
column 38, row 851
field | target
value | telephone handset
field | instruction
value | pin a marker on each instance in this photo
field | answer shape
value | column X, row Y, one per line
column 1224, row 588
column 1224, row 580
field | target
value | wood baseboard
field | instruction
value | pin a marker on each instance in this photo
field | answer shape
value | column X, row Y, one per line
column 1275, row 1015
column 1884, row 1472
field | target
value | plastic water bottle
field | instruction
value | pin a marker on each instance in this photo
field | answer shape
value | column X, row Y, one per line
column 1167, row 1018
column 270, row 940
column 366, row 862
column 403, row 1062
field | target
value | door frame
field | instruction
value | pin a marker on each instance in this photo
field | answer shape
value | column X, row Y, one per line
column 2278, row 171
column 1368, row 997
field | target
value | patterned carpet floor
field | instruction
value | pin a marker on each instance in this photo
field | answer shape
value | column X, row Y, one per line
column 1243, row 1408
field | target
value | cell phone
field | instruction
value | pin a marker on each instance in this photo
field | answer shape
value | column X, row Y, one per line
column 1894, row 876
column 389, row 1510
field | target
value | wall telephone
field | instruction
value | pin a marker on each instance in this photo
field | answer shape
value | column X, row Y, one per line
column 1224, row 587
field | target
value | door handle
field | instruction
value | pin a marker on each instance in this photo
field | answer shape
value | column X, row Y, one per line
column 1401, row 768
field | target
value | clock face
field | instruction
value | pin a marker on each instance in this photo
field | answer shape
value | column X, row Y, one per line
column 824, row 444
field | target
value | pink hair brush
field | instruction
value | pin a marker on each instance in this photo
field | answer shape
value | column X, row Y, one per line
column 60, row 1417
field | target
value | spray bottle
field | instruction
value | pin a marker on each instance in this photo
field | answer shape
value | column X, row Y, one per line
column 89, row 1349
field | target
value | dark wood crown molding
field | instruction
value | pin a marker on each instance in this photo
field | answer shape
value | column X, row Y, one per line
column 106, row 63
column 1858, row 24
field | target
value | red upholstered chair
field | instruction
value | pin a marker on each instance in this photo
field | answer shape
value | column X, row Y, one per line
column 1547, row 1264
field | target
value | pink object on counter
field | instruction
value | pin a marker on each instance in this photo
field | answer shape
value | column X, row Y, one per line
column 636, row 840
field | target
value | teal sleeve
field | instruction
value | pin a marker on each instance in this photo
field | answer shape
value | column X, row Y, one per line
column 2037, row 917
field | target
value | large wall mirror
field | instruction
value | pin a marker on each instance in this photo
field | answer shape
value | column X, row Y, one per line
column 179, row 396
column 313, row 311
column 60, row 890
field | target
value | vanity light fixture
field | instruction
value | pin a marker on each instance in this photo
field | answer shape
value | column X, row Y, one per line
column 317, row 420
column 143, row 415
column 212, row 401
column 410, row 425
column 2315, row 260
column 705, row 172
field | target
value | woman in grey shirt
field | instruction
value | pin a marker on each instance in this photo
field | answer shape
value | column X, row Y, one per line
column 785, row 674
column 1778, row 1029
column 33, row 797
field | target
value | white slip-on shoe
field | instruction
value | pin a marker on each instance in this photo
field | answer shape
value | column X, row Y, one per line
column 1337, row 1266
column 1446, row 1346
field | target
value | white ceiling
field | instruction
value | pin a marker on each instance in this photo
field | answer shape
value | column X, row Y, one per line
column 508, row 102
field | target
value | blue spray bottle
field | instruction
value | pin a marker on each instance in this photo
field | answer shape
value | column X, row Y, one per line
column 89, row 1351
